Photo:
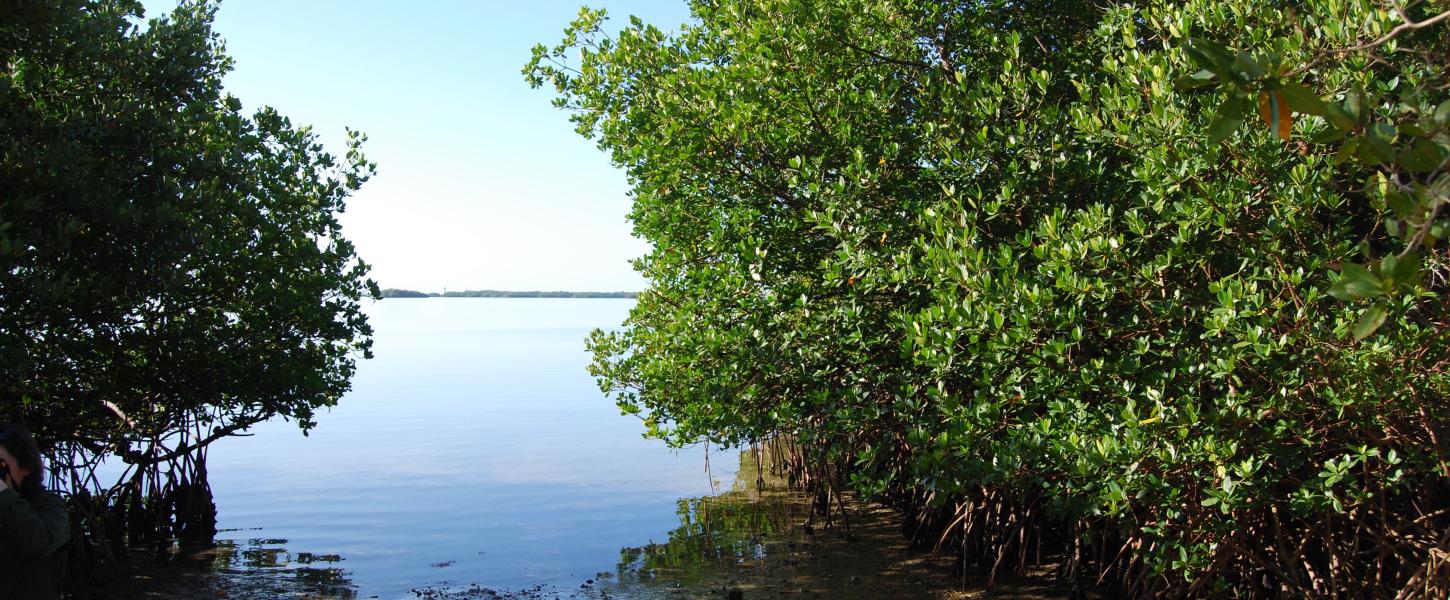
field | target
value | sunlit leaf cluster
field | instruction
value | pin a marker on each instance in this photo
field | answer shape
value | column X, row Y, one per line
column 1096, row 278
column 171, row 267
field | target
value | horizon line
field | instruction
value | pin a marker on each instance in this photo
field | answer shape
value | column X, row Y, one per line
column 446, row 292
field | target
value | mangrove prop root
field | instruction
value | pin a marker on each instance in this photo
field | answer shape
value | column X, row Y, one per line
column 1389, row 547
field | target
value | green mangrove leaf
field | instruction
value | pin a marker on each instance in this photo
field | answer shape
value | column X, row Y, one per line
column 1203, row 77
column 1359, row 281
column 1370, row 321
column 1230, row 116
column 1301, row 99
column 1424, row 156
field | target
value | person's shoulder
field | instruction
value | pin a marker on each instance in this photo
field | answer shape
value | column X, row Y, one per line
column 46, row 497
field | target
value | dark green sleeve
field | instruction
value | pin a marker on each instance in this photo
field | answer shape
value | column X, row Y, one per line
column 35, row 527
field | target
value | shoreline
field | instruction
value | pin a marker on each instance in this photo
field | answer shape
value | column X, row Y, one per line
column 772, row 556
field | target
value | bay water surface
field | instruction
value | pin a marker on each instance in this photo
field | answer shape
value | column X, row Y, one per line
column 474, row 449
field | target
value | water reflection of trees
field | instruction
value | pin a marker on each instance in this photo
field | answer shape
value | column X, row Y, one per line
column 728, row 531
column 267, row 564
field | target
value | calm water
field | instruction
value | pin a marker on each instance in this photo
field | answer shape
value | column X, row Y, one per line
column 474, row 449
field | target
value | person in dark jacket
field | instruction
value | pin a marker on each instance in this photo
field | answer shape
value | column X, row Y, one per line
column 33, row 522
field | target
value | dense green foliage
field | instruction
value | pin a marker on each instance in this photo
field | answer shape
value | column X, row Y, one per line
column 1035, row 274
column 171, row 268
column 398, row 293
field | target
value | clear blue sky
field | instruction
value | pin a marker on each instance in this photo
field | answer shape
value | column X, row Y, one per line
column 481, row 183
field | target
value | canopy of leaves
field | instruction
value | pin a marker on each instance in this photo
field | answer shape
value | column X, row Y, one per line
column 167, row 262
column 1005, row 259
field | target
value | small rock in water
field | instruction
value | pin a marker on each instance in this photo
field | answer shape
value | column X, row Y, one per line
column 735, row 594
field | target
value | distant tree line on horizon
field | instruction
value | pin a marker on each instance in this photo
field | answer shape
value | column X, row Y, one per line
column 398, row 293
